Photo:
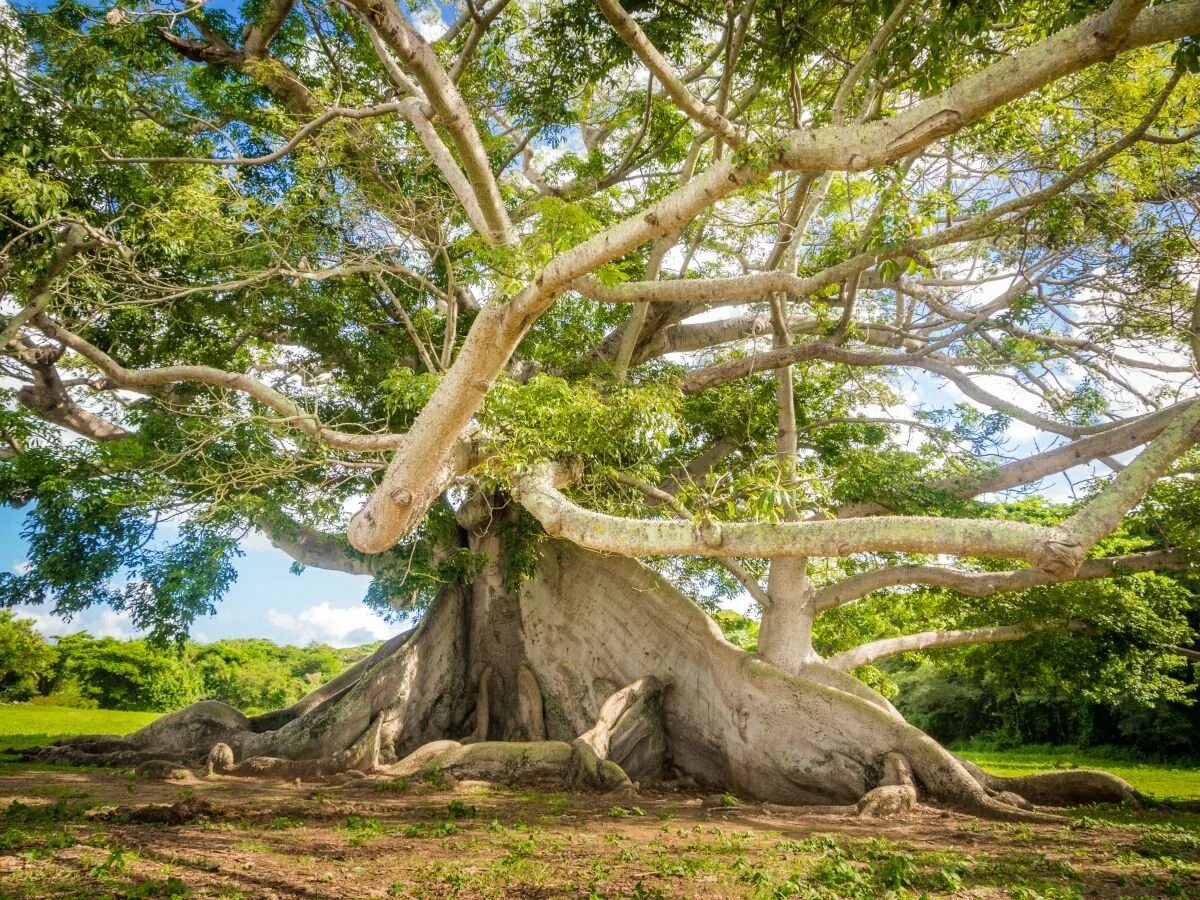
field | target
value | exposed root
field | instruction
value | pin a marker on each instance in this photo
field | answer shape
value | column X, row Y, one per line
column 897, row 791
column 512, row 762
column 1072, row 787
column 483, row 708
column 584, row 626
column 189, row 809
column 629, row 730
column 162, row 768
column 530, row 721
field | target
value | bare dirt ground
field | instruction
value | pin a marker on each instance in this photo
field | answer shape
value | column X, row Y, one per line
column 103, row 833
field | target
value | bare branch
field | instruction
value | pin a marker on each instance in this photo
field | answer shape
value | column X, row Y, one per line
column 936, row 640
column 983, row 584
column 735, row 568
column 291, row 412
column 448, row 104
column 537, row 492
column 696, row 109
column 392, row 511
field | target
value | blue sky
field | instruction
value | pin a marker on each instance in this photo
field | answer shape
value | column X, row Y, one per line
column 267, row 600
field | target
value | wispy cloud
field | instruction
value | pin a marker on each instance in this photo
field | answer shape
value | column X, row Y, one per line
column 339, row 626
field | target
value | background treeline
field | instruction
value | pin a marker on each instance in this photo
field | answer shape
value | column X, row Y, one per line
column 79, row 670
column 1033, row 693
column 987, row 697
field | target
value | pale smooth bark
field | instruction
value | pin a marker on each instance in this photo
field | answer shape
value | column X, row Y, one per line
column 688, row 103
column 452, row 112
column 537, row 492
column 984, row 584
column 930, row 640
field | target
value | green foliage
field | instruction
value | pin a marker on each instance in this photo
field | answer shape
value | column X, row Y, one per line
column 253, row 675
column 738, row 629
column 126, row 675
column 256, row 675
column 25, row 659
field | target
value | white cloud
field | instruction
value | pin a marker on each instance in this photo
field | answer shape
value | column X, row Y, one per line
column 429, row 24
column 22, row 567
column 97, row 622
column 339, row 626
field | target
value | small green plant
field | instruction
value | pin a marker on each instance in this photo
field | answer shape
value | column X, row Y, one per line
column 641, row 892
column 115, row 863
column 898, row 871
column 460, row 810
column 617, row 812
column 729, row 800
column 361, row 829
column 392, row 786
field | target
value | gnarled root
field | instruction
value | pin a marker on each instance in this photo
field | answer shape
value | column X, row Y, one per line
column 179, row 737
column 897, row 791
column 1071, row 787
column 512, row 762
column 629, row 730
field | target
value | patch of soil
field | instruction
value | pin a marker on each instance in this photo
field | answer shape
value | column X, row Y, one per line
column 90, row 833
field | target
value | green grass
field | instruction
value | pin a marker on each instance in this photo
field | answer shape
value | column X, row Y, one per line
column 1161, row 781
column 23, row 725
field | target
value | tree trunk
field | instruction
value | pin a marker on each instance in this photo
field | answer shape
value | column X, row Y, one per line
column 590, row 671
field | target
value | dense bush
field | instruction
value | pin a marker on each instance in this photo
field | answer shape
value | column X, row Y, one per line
column 125, row 674
column 964, row 706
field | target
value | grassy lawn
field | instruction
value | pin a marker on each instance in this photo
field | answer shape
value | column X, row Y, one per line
column 1163, row 782
column 23, row 725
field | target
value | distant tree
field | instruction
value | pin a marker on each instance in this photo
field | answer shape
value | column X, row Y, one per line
column 25, row 658
column 132, row 675
column 258, row 675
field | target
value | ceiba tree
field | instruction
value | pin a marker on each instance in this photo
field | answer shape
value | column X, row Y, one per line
column 580, row 300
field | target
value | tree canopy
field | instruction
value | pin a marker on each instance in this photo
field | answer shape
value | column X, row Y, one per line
column 803, row 300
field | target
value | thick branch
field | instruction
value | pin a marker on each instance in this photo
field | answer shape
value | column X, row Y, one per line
column 293, row 414
column 934, row 640
column 314, row 548
column 984, row 584
column 859, row 147
column 392, row 510
column 741, row 367
column 451, row 110
column 538, row 493
column 695, row 108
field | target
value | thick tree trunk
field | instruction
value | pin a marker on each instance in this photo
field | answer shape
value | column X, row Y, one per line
column 592, row 670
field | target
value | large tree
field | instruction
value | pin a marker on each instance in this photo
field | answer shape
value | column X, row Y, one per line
column 578, row 301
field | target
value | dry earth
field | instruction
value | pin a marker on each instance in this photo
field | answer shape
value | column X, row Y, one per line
column 76, row 833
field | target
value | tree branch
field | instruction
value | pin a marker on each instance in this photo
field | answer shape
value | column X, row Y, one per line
column 392, row 510
column 984, row 584
column 694, row 108
column 936, row 640
column 538, row 493
column 293, row 415
column 451, row 110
